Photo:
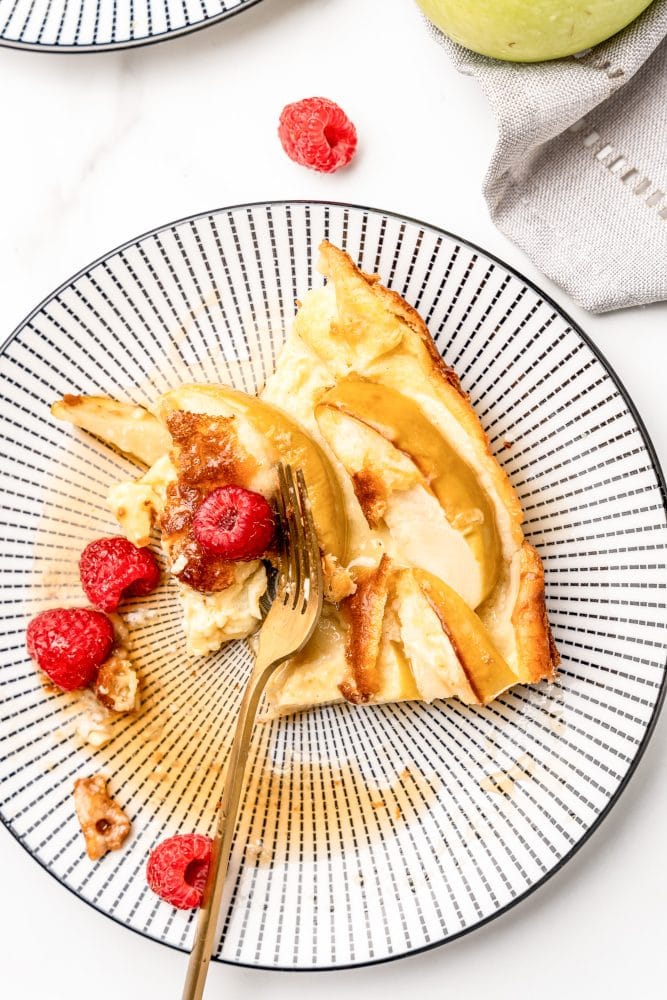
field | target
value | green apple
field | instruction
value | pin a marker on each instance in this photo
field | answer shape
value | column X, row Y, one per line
column 531, row 30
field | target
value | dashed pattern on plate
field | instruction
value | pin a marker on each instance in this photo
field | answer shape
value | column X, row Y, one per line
column 366, row 833
column 93, row 25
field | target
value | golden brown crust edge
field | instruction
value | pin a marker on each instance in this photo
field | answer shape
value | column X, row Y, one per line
column 536, row 650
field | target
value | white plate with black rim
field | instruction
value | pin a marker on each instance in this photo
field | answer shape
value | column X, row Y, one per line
column 99, row 25
column 366, row 833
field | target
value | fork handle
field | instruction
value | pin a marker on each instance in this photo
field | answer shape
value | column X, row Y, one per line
column 207, row 920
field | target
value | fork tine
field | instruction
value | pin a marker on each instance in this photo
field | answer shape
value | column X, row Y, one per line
column 289, row 553
column 314, row 562
column 292, row 547
column 297, row 536
column 285, row 554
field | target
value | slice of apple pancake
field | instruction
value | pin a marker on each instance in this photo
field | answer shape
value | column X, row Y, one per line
column 435, row 526
column 431, row 589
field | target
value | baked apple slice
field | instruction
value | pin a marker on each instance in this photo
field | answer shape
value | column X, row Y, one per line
column 401, row 421
column 128, row 428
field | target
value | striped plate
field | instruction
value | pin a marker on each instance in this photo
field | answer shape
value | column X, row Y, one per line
column 96, row 25
column 366, row 834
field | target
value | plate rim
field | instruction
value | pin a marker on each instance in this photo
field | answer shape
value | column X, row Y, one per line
column 657, row 468
column 136, row 43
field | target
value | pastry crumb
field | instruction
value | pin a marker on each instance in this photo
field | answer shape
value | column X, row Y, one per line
column 142, row 616
column 94, row 725
column 117, row 683
column 104, row 825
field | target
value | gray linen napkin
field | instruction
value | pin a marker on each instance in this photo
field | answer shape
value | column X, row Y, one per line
column 578, row 178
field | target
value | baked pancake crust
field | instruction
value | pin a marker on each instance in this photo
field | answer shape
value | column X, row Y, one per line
column 431, row 590
column 356, row 331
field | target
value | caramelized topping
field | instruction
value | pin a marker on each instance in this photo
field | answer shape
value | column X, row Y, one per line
column 365, row 611
column 206, row 454
column 371, row 493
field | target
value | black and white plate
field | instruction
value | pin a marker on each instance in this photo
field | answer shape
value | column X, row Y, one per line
column 96, row 25
column 366, row 834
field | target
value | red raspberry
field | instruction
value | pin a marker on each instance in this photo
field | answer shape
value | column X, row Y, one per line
column 178, row 868
column 69, row 644
column 318, row 134
column 113, row 568
column 234, row 523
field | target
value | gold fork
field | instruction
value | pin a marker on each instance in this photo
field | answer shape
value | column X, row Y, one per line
column 287, row 628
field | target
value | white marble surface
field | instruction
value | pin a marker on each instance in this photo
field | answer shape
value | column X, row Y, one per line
column 97, row 149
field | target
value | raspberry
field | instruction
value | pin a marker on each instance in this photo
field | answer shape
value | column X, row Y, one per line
column 234, row 523
column 318, row 134
column 178, row 868
column 69, row 644
column 113, row 568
